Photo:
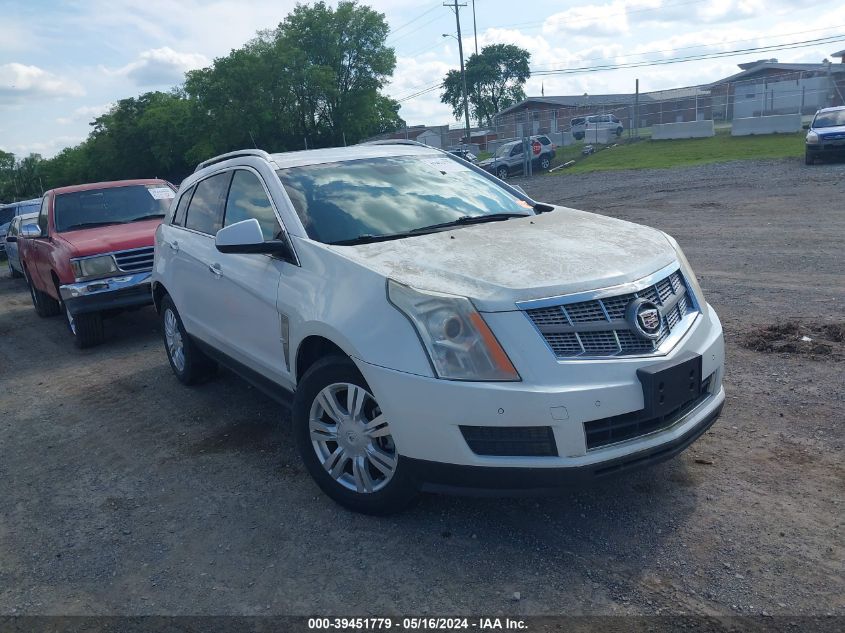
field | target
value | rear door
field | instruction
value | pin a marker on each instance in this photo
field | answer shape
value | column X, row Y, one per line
column 195, row 281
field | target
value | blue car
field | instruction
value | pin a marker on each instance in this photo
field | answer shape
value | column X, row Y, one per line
column 826, row 135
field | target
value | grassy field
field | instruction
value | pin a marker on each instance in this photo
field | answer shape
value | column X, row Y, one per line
column 649, row 154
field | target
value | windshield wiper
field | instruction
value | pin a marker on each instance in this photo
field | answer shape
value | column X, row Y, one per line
column 83, row 225
column 368, row 238
column 468, row 219
column 147, row 217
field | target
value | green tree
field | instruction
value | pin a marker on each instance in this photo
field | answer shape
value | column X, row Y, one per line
column 495, row 80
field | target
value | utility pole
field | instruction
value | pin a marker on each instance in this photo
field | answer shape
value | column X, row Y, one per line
column 456, row 7
column 474, row 28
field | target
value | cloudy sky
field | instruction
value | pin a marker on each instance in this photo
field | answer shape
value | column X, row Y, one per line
column 63, row 63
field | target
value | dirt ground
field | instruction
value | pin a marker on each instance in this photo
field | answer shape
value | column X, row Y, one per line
column 124, row 492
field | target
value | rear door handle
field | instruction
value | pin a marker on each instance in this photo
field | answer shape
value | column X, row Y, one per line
column 215, row 269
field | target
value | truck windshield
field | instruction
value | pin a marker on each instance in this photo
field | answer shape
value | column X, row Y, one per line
column 114, row 205
column 387, row 196
column 830, row 119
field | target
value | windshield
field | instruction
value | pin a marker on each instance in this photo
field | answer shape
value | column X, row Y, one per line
column 384, row 196
column 830, row 119
column 115, row 205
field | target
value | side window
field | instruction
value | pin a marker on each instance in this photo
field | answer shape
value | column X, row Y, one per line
column 182, row 207
column 42, row 215
column 544, row 140
column 205, row 212
column 517, row 150
column 247, row 199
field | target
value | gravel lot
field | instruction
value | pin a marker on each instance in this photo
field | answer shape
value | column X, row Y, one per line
column 127, row 493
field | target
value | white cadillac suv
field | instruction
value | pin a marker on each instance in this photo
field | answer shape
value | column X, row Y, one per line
column 432, row 327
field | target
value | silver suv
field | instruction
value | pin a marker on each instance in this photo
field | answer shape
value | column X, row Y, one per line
column 508, row 159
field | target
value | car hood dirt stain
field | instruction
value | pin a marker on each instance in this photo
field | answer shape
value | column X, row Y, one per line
column 500, row 263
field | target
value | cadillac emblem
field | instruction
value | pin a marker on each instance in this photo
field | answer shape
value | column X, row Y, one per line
column 644, row 318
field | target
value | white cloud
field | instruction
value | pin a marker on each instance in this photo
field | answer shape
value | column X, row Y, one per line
column 414, row 74
column 47, row 149
column 20, row 83
column 84, row 113
column 161, row 67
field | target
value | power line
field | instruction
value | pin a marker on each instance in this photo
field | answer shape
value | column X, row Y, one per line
column 409, row 22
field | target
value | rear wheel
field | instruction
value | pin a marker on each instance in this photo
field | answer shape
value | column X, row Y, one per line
column 12, row 270
column 187, row 361
column 345, row 440
column 545, row 162
column 44, row 304
column 502, row 173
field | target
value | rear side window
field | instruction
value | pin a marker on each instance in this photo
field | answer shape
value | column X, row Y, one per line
column 205, row 212
column 544, row 140
column 182, row 207
column 247, row 199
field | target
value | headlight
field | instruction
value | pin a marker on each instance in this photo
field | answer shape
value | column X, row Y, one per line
column 812, row 137
column 453, row 333
column 90, row 267
column 689, row 275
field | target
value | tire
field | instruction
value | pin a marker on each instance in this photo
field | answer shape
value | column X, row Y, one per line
column 87, row 329
column 44, row 304
column 12, row 271
column 545, row 162
column 619, row 131
column 502, row 173
column 578, row 136
column 809, row 158
column 190, row 365
column 361, row 472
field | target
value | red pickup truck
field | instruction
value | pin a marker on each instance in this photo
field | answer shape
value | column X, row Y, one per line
column 91, row 251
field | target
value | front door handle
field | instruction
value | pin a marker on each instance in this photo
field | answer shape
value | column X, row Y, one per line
column 174, row 245
column 215, row 269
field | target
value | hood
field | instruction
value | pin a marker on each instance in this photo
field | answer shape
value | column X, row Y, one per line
column 500, row 263
column 829, row 131
column 114, row 237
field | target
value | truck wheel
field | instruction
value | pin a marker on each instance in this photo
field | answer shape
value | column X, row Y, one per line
column 44, row 304
column 187, row 361
column 87, row 329
column 502, row 173
column 345, row 440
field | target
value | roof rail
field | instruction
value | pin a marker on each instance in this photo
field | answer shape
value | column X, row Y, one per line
column 236, row 154
column 396, row 141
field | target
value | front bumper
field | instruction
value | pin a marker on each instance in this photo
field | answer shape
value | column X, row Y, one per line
column 426, row 414
column 117, row 292
column 830, row 148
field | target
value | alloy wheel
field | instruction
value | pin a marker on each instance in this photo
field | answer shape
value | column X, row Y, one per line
column 173, row 340
column 351, row 438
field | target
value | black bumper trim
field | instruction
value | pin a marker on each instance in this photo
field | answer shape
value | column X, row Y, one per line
column 488, row 480
column 140, row 295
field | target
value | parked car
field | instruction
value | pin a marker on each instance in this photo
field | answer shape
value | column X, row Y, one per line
column 437, row 327
column 508, row 158
column 90, row 253
column 580, row 126
column 826, row 135
column 9, row 211
column 11, row 241
column 465, row 154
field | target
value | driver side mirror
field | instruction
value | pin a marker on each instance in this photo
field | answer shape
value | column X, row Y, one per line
column 806, row 126
column 30, row 231
column 246, row 237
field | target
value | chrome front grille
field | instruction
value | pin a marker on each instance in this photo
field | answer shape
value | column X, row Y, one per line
column 136, row 260
column 599, row 328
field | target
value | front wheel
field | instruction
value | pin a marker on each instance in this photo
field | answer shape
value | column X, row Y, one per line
column 87, row 329
column 12, row 270
column 619, row 131
column 809, row 158
column 502, row 173
column 44, row 304
column 345, row 440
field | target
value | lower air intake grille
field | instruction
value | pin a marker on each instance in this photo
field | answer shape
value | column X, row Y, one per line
column 630, row 425
column 511, row 441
